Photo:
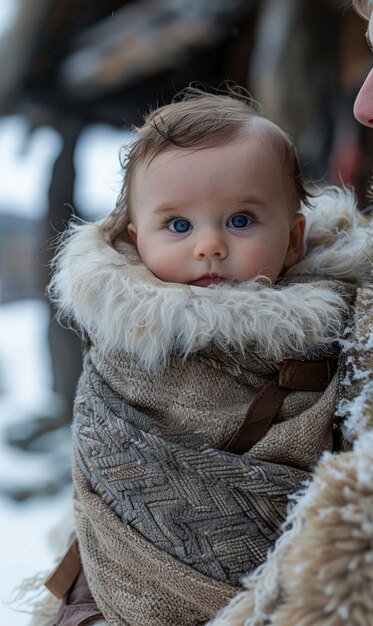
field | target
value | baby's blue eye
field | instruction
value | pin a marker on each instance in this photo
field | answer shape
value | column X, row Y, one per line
column 179, row 225
column 240, row 220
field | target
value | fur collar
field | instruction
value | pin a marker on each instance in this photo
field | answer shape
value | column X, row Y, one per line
column 123, row 306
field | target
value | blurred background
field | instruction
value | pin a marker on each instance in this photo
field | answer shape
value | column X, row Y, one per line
column 75, row 76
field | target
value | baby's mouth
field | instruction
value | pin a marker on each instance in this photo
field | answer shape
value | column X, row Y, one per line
column 208, row 279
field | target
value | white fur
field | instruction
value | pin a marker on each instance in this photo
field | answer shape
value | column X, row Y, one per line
column 346, row 249
column 121, row 305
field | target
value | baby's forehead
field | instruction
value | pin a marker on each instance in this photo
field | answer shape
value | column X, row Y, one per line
column 254, row 133
column 242, row 157
column 267, row 135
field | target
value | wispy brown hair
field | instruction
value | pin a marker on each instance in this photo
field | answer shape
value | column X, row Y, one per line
column 196, row 119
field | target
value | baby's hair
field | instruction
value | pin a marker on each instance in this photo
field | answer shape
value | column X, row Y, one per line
column 198, row 119
column 363, row 8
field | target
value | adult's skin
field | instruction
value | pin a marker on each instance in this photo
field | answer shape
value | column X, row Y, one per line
column 363, row 108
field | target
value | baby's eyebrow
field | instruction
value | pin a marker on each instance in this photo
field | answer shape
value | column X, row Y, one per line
column 251, row 200
column 166, row 208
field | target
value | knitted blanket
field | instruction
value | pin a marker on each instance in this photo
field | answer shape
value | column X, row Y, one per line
column 215, row 511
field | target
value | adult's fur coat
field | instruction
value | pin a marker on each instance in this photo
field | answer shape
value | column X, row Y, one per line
column 186, row 362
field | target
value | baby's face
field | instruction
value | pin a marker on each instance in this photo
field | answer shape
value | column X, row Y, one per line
column 215, row 214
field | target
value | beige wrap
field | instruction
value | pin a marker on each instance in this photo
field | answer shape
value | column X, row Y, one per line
column 124, row 310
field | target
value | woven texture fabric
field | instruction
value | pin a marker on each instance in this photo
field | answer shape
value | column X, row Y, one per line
column 172, row 497
column 215, row 511
column 133, row 582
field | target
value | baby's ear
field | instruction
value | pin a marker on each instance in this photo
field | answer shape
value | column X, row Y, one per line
column 296, row 241
column 131, row 230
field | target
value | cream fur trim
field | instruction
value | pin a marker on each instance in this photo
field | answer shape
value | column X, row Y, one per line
column 337, row 241
column 122, row 306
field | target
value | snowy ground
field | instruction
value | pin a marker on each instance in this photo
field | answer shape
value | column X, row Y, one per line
column 24, row 527
column 25, row 378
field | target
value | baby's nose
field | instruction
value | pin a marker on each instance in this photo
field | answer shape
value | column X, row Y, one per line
column 210, row 246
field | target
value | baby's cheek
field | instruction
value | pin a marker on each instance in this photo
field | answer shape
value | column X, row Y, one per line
column 164, row 265
column 151, row 252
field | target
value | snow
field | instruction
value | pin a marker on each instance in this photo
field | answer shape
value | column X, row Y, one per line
column 24, row 527
column 23, row 326
column 8, row 12
column 26, row 166
column 27, row 161
column 99, row 174
column 25, row 368
column 343, row 612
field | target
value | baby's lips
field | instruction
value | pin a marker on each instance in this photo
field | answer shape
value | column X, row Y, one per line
column 207, row 280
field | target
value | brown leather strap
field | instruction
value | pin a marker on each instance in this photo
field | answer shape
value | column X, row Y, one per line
column 293, row 376
column 307, row 375
column 259, row 417
column 65, row 573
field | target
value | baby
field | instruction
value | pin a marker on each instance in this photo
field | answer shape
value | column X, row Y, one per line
column 208, row 392
column 215, row 187
column 226, row 209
